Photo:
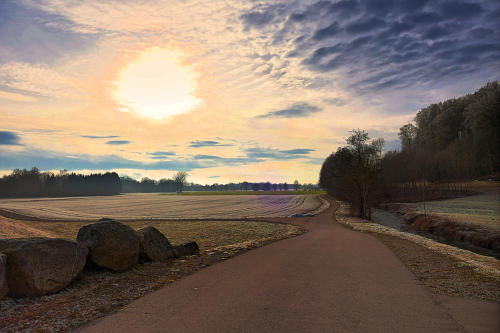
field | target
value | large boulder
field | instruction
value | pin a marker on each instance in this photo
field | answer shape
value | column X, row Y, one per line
column 3, row 275
column 154, row 246
column 40, row 266
column 186, row 249
column 111, row 244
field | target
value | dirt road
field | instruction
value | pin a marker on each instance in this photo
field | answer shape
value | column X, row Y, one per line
column 331, row 279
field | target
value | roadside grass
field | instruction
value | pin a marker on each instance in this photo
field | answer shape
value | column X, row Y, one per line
column 208, row 234
column 443, row 274
column 250, row 192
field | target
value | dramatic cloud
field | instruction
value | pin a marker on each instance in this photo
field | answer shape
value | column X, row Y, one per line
column 271, row 73
column 381, row 45
column 296, row 110
column 9, row 138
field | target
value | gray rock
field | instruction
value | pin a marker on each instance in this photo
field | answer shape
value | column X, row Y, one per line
column 111, row 244
column 3, row 276
column 186, row 249
column 40, row 266
column 154, row 246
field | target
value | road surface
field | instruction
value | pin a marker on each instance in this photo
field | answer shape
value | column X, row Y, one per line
column 331, row 279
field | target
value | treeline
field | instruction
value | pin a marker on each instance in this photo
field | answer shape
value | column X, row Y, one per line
column 455, row 139
column 451, row 142
column 33, row 183
column 148, row 185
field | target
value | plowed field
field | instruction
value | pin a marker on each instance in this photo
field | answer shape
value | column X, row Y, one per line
column 159, row 206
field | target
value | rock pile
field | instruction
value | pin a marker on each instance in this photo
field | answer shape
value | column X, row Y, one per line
column 4, row 289
column 111, row 244
column 154, row 246
column 40, row 266
column 186, row 249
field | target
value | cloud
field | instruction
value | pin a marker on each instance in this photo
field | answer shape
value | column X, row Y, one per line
column 27, row 80
column 33, row 36
column 207, row 143
column 161, row 154
column 16, row 97
column 206, row 157
column 9, row 138
column 257, row 18
column 48, row 160
column 99, row 137
column 460, row 10
column 329, row 31
column 300, row 151
column 294, row 111
column 276, row 154
column 117, row 142
column 365, row 25
column 380, row 45
column 335, row 101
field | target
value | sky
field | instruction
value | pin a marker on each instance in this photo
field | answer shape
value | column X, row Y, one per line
column 227, row 90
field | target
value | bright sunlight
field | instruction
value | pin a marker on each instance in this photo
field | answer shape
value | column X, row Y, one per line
column 157, row 85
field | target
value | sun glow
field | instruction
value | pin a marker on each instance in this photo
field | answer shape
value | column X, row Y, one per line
column 157, row 85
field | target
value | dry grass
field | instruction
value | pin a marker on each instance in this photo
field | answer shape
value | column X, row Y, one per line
column 443, row 274
column 157, row 206
column 207, row 234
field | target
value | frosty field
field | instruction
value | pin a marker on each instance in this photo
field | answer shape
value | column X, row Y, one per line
column 483, row 209
column 158, row 206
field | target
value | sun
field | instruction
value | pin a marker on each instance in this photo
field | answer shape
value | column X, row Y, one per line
column 157, row 85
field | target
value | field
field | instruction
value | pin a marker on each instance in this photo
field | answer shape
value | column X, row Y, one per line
column 208, row 234
column 483, row 209
column 298, row 192
column 109, row 291
column 157, row 206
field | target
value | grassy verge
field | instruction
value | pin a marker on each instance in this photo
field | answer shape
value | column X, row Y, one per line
column 443, row 268
column 251, row 192
column 443, row 274
column 96, row 293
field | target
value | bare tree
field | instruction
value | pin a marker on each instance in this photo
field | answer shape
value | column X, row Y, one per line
column 180, row 179
column 296, row 185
